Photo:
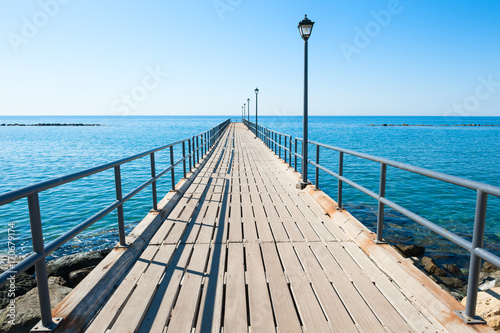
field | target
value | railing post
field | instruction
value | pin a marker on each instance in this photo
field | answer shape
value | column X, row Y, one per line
column 284, row 149
column 172, row 164
column 380, row 215
column 205, row 143
column 290, row 150
column 202, row 144
column 40, row 267
column 184, row 157
column 475, row 261
column 274, row 143
column 279, row 146
column 295, row 151
column 119, row 210
column 317, row 169
column 341, row 173
column 197, row 150
column 153, row 184
column 190, row 156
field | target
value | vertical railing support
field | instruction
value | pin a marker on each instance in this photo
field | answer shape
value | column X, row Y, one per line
column 290, row 150
column 341, row 173
column 184, row 157
column 295, row 151
column 197, row 150
column 202, row 144
column 190, row 155
column 469, row 315
column 172, row 165
column 119, row 210
column 317, row 169
column 284, row 149
column 380, row 215
column 40, row 267
column 153, row 184
column 279, row 145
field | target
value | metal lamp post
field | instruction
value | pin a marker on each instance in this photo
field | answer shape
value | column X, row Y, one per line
column 245, row 110
column 242, row 114
column 248, row 103
column 256, row 94
column 305, row 28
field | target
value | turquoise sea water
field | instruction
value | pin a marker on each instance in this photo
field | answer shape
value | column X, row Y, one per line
column 33, row 154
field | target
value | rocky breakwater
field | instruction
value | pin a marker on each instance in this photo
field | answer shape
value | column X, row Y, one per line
column 19, row 305
column 454, row 280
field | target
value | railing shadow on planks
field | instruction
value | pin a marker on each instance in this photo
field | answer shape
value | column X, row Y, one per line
column 192, row 149
column 278, row 141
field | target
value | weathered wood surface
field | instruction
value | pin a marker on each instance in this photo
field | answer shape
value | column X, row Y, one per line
column 245, row 251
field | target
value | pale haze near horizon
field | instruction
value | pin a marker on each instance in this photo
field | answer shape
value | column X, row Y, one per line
column 206, row 58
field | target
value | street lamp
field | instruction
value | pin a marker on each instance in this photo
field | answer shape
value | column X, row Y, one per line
column 256, row 94
column 248, row 103
column 245, row 110
column 242, row 114
column 305, row 28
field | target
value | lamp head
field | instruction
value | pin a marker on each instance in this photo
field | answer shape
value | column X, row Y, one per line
column 305, row 28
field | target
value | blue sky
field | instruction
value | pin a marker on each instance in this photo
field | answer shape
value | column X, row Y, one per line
column 408, row 57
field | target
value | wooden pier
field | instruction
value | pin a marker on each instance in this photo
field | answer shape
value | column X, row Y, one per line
column 239, row 249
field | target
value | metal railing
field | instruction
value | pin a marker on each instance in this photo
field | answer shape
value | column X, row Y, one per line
column 273, row 140
column 197, row 146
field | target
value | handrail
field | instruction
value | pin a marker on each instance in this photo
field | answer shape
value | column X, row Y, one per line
column 475, row 246
column 196, row 145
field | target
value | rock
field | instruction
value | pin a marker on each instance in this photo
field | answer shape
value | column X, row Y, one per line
column 23, row 284
column 65, row 265
column 58, row 280
column 450, row 282
column 409, row 250
column 459, row 295
column 431, row 267
column 77, row 276
column 488, row 306
column 26, row 309
column 489, row 282
column 105, row 252
column 489, row 267
column 454, row 270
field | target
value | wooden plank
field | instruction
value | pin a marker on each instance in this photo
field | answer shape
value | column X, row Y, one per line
column 184, row 311
column 210, row 312
column 407, row 310
column 261, row 222
column 310, row 310
column 283, row 305
column 113, row 306
column 161, row 306
column 335, row 310
column 235, row 314
column 207, row 231
column 235, row 228
column 372, row 296
column 132, row 315
column 293, row 231
column 299, row 218
column 359, row 310
column 261, row 313
column 279, row 232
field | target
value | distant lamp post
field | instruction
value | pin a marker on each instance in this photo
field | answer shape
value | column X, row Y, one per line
column 305, row 28
column 256, row 94
column 248, row 103
column 242, row 114
column 245, row 111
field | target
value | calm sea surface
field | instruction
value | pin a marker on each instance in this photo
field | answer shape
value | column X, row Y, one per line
column 32, row 154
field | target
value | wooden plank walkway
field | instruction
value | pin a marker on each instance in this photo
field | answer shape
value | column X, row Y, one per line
column 244, row 251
